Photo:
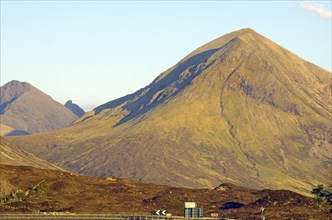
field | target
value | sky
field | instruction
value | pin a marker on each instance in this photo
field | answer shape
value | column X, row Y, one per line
column 92, row 52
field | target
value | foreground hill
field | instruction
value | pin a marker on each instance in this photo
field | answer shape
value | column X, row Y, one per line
column 25, row 108
column 56, row 191
column 239, row 109
column 10, row 155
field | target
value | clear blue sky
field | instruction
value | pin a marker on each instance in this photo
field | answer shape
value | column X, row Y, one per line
column 95, row 51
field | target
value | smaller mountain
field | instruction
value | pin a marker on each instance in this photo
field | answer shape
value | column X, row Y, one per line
column 25, row 108
column 74, row 108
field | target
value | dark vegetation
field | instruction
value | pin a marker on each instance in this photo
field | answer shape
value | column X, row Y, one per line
column 323, row 194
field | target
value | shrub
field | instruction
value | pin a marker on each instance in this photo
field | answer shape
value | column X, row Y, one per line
column 323, row 194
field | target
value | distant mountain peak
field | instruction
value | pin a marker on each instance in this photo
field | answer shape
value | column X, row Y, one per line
column 74, row 108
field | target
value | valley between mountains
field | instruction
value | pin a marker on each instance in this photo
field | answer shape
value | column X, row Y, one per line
column 240, row 109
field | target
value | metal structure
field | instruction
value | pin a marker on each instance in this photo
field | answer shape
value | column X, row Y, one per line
column 191, row 210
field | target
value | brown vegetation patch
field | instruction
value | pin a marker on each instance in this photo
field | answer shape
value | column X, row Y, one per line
column 57, row 191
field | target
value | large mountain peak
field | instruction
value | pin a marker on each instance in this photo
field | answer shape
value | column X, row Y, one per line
column 235, row 54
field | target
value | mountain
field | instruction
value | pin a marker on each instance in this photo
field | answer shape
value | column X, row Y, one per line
column 26, row 108
column 32, row 190
column 74, row 108
column 239, row 109
column 10, row 155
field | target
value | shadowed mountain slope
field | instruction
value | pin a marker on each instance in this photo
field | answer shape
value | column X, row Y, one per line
column 239, row 109
column 9, row 131
column 25, row 108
